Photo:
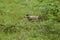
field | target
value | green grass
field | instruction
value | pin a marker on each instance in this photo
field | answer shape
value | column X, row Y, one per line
column 16, row 27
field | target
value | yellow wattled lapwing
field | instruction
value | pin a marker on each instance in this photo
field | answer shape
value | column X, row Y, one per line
column 33, row 18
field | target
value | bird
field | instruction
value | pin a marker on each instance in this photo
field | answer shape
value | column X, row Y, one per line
column 33, row 18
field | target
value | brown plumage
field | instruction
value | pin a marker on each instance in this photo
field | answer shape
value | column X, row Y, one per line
column 33, row 18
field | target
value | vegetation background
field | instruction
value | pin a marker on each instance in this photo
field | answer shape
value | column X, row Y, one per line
column 13, row 25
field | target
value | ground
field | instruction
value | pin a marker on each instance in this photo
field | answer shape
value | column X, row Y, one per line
column 14, row 25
